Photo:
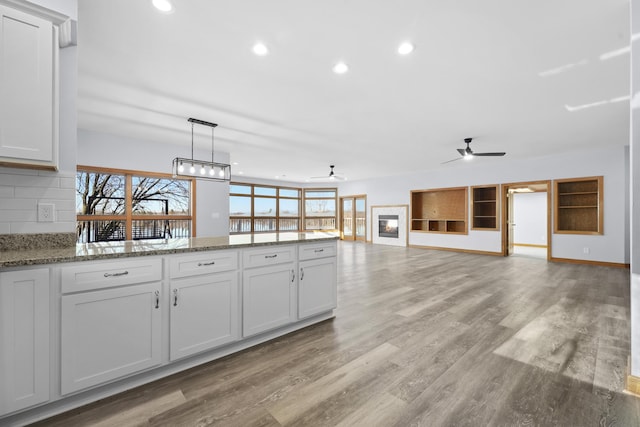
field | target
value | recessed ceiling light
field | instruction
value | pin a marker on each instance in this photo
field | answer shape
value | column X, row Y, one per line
column 235, row 163
column 340, row 68
column 163, row 5
column 405, row 48
column 260, row 49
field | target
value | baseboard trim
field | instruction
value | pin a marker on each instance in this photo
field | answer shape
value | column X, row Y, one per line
column 466, row 251
column 529, row 245
column 588, row 262
column 632, row 383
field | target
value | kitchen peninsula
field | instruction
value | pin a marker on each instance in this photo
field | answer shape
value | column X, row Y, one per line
column 84, row 322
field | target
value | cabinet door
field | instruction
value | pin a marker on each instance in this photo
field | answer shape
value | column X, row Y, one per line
column 317, row 286
column 204, row 313
column 26, row 89
column 269, row 298
column 24, row 339
column 109, row 334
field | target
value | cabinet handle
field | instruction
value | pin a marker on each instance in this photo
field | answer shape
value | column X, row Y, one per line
column 202, row 264
column 293, row 275
column 318, row 250
column 271, row 256
column 123, row 273
column 175, row 297
column 301, row 273
column 157, row 299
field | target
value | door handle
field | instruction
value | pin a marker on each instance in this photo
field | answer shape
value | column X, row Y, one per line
column 301, row 273
column 157, row 299
column 175, row 297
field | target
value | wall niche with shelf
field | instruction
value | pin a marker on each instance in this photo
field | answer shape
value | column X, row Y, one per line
column 484, row 207
column 442, row 210
column 578, row 205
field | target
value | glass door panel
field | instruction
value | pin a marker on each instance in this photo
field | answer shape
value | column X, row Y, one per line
column 347, row 218
column 361, row 218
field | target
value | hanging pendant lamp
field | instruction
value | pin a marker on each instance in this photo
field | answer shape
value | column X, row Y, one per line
column 201, row 169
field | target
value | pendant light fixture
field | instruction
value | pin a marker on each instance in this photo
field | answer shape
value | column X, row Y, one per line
column 201, row 169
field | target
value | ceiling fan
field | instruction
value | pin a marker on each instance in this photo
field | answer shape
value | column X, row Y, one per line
column 332, row 175
column 468, row 154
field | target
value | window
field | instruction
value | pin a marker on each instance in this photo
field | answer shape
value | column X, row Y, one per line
column 320, row 208
column 257, row 208
column 127, row 205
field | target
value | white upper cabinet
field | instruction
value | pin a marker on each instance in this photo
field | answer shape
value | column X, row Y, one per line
column 28, row 90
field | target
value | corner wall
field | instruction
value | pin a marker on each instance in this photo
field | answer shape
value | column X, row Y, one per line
column 635, row 187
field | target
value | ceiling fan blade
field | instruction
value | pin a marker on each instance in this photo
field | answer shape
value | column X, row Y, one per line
column 489, row 154
column 449, row 161
column 461, row 151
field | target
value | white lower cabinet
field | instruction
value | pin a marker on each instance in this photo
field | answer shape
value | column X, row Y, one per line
column 316, row 286
column 268, row 290
column 24, row 339
column 117, row 318
column 204, row 313
column 108, row 334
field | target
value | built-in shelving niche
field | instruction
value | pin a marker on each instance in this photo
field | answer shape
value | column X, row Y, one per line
column 578, row 206
column 484, row 207
column 442, row 210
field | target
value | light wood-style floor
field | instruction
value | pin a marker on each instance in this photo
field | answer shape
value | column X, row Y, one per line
column 420, row 337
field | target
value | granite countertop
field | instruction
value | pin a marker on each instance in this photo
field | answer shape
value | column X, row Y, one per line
column 122, row 249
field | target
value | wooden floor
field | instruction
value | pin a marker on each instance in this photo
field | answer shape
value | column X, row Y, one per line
column 420, row 337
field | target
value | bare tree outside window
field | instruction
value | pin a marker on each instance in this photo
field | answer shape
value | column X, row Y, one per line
column 159, row 207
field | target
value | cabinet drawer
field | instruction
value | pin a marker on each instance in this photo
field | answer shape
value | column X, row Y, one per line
column 202, row 263
column 106, row 274
column 271, row 255
column 317, row 250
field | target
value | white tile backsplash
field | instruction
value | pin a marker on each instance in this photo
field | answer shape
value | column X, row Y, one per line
column 20, row 192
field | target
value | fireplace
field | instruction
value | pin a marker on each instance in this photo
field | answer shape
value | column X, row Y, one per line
column 388, row 226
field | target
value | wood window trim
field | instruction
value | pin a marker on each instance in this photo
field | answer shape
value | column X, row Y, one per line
column 277, row 218
column 128, row 217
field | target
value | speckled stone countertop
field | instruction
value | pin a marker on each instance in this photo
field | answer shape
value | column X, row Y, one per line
column 123, row 249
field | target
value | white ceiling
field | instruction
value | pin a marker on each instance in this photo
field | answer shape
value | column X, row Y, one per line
column 525, row 77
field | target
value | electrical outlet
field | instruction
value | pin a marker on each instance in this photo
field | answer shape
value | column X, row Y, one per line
column 46, row 212
column 585, row 250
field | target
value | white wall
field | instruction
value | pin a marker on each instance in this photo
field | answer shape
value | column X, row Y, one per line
column 635, row 189
column 610, row 163
column 22, row 189
column 212, row 197
column 530, row 218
